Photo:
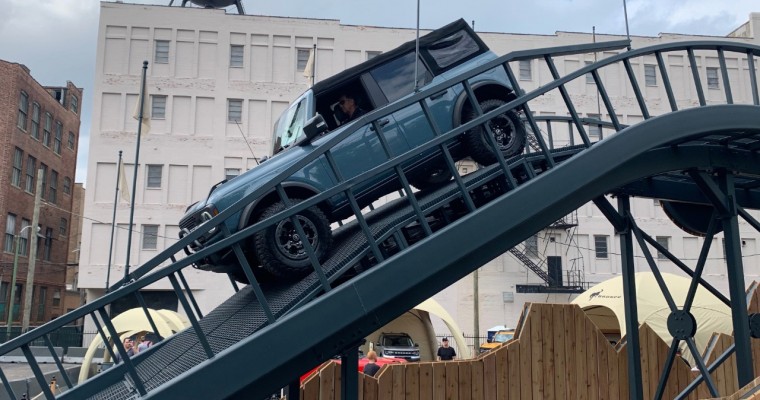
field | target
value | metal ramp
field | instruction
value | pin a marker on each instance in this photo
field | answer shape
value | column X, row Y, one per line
column 266, row 335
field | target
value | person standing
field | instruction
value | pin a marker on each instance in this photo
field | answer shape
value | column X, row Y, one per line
column 128, row 346
column 371, row 368
column 446, row 353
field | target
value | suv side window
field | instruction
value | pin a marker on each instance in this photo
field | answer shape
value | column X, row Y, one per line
column 396, row 78
column 290, row 126
column 454, row 48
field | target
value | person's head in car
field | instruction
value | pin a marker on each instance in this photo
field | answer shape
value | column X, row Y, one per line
column 349, row 105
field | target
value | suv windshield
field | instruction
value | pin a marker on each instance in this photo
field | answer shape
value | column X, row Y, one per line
column 289, row 127
column 397, row 341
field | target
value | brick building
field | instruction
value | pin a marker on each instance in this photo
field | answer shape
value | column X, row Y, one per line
column 39, row 129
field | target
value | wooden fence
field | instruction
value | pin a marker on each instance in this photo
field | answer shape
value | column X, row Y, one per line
column 558, row 353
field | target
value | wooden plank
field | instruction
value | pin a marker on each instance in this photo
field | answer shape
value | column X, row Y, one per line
column 720, row 372
column 513, row 370
column 580, row 354
column 311, row 389
column 570, row 349
column 655, row 368
column 439, row 380
column 385, row 383
column 490, row 390
column 526, row 388
column 326, row 382
column 360, row 386
column 426, row 381
column 614, row 378
column 602, row 362
column 547, row 336
column 644, row 349
column 412, row 381
column 558, row 319
column 399, row 388
column 465, row 380
column 477, row 368
column 371, row 389
column 591, row 360
column 537, row 352
column 623, row 372
column 452, row 380
column 337, row 383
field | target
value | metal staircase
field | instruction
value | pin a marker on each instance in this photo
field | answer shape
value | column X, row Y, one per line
column 265, row 335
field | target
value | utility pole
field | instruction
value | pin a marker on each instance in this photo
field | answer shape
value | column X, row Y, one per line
column 32, row 255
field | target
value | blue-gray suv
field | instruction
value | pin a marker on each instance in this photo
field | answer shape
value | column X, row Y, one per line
column 320, row 112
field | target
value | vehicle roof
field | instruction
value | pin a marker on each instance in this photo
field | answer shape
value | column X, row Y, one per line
column 426, row 40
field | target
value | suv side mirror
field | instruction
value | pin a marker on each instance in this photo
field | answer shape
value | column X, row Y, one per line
column 314, row 127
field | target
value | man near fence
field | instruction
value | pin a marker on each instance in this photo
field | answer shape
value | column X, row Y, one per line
column 446, row 353
column 128, row 346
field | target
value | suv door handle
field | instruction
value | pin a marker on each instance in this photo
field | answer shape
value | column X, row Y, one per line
column 382, row 123
column 438, row 95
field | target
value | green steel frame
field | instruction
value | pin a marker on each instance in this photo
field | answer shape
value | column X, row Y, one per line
column 717, row 145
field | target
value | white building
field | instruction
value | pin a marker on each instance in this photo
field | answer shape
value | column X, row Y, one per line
column 209, row 69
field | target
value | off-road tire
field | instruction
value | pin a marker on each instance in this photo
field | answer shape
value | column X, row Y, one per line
column 508, row 128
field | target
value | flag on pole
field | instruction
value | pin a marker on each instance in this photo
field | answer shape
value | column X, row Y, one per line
column 308, row 72
column 146, row 110
column 123, row 184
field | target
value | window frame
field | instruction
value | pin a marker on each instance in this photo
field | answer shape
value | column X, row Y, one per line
column 302, row 63
column 41, row 303
column 370, row 54
column 17, row 167
column 713, row 82
column 53, row 192
column 35, row 125
column 57, row 140
column 46, row 130
column 63, row 226
column 31, row 174
column 589, row 76
column 602, row 252
column 72, row 141
column 230, row 116
column 161, row 54
column 10, row 232
column 650, row 79
column 237, row 60
column 23, row 244
column 67, row 185
column 663, row 241
column 158, row 110
column 48, row 247
column 525, row 74
column 229, row 176
column 151, row 177
column 74, row 106
column 149, row 238
column 23, row 110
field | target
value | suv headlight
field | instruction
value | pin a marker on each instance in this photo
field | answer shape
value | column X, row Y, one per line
column 206, row 215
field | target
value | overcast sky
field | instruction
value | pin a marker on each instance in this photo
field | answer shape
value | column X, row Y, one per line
column 56, row 38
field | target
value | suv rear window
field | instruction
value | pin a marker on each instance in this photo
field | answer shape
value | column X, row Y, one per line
column 396, row 78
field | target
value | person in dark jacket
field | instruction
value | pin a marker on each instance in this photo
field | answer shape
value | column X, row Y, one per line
column 371, row 368
column 350, row 107
column 446, row 353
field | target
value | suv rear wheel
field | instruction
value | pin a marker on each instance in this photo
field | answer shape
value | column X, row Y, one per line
column 280, row 249
column 507, row 129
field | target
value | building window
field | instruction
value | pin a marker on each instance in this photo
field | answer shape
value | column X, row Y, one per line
column 712, row 78
column 650, row 75
column 234, row 110
column 531, row 246
column 72, row 141
column 47, row 250
column 237, row 53
column 663, row 241
column 23, row 109
column 44, row 169
column 154, row 176
column 589, row 76
column 41, row 305
column 3, row 298
column 75, row 104
column 53, row 195
column 63, row 226
column 18, row 159
column 158, row 107
column 594, row 130
column 600, row 246
column 23, row 240
column 36, row 121
column 162, row 52
column 230, row 173
column 31, row 168
column 526, row 72
column 57, row 298
column 67, row 185
column 373, row 54
column 46, row 130
column 303, row 59
column 150, row 237
column 10, row 232
column 58, row 137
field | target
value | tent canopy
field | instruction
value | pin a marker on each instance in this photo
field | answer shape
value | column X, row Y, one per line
column 605, row 306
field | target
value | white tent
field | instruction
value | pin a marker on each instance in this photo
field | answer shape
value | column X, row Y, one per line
column 604, row 304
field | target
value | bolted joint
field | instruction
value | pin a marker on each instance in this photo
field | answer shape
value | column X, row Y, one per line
column 682, row 324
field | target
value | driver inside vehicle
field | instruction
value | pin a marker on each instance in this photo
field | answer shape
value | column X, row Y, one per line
column 348, row 104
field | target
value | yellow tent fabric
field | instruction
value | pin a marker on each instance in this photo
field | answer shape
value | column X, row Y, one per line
column 604, row 304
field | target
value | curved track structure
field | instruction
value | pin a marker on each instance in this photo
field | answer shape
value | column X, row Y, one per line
column 253, row 344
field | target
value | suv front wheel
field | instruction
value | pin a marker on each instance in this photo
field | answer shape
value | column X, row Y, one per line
column 507, row 129
column 281, row 250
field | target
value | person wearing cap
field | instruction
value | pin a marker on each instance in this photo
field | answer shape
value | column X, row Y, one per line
column 446, row 353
